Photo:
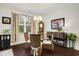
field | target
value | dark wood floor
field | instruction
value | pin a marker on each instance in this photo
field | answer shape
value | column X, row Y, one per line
column 19, row 50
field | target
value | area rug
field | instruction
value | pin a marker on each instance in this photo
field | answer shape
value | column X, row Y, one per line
column 8, row 52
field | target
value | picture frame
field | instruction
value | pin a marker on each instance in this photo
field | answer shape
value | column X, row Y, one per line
column 6, row 20
column 57, row 23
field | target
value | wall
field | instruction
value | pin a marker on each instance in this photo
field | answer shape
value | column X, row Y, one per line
column 71, row 15
column 6, row 11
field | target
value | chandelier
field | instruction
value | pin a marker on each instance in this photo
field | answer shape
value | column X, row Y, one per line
column 39, row 18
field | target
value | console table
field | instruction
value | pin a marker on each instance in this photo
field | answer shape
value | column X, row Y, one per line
column 5, row 41
column 58, row 37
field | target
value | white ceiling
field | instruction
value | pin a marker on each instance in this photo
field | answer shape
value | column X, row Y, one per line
column 38, row 8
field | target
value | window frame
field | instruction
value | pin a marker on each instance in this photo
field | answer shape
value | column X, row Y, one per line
column 24, row 24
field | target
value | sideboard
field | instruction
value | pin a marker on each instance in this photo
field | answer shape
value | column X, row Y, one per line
column 59, row 38
column 5, row 41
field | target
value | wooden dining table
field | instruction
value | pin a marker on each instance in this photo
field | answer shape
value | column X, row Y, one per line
column 45, row 42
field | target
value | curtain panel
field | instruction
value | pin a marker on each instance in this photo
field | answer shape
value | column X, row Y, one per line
column 14, row 27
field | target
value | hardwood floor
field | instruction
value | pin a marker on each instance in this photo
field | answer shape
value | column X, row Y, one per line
column 19, row 50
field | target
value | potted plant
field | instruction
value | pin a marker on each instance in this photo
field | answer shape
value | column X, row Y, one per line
column 72, row 39
column 60, row 29
column 5, row 31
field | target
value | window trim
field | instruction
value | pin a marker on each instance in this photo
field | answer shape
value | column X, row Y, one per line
column 24, row 24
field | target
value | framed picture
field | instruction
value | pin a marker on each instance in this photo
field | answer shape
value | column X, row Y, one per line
column 6, row 20
column 57, row 23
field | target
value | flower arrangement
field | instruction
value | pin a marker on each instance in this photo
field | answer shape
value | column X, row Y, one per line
column 5, row 31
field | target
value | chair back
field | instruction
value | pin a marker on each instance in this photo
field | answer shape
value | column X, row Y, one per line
column 35, row 40
column 26, row 36
column 52, row 38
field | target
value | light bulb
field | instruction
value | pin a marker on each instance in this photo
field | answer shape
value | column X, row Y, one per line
column 40, row 18
column 35, row 18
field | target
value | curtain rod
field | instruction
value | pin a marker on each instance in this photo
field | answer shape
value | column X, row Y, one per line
column 21, row 14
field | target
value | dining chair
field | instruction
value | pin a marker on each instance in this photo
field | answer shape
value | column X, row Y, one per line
column 48, row 44
column 27, row 40
column 36, row 46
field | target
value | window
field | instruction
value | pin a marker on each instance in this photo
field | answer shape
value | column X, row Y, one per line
column 24, row 24
column 21, row 28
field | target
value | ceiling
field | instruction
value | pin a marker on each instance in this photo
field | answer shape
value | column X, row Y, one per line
column 39, row 8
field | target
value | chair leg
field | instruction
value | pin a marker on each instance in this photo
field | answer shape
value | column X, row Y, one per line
column 32, row 52
column 39, row 51
column 36, row 51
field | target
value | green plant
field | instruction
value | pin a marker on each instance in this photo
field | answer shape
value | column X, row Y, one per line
column 60, row 29
column 5, row 31
column 72, row 36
